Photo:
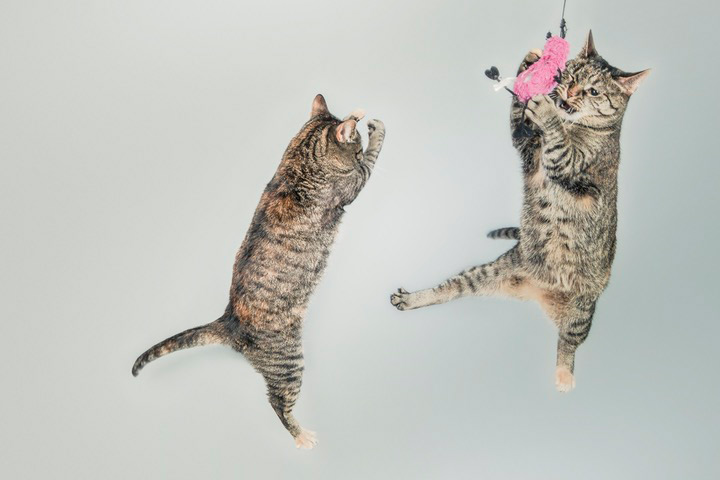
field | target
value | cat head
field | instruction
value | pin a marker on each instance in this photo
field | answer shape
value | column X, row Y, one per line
column 593, row 92
column 340, row 138
column 323, row 158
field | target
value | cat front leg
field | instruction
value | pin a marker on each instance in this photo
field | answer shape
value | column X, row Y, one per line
column 564, row 158
column 525, row 145
column 518, row 106
column 557, row 151
column 541, row 110
column 376, row 134
column 365, row 163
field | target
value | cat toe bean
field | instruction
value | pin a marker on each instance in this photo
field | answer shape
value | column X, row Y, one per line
column 399, row 299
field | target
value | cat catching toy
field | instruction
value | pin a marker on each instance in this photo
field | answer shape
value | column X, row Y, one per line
column 566, row 117
column 541, row 77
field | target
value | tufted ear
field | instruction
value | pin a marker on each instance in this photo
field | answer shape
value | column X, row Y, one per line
column 630, row 81
column 345, row 131
column 319, row 107
column 588, row 49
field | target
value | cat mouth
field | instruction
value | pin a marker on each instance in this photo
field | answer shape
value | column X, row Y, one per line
column 565, row 106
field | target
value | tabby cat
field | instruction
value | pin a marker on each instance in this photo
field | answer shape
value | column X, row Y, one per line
column 284, row 254
column 566, row 239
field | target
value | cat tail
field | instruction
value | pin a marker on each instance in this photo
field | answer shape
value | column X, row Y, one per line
column 507, row 233
column 212, row 333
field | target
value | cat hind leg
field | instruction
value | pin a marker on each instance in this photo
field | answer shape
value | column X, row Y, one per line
column 278, row 357
column 573, row 329
column 489, row 279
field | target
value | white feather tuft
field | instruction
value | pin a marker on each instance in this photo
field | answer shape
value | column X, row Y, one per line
column 504, row 82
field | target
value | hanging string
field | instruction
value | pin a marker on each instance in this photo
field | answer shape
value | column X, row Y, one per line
column 563, row 28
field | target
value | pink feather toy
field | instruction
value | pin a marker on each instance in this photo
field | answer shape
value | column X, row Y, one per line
column 541, row 77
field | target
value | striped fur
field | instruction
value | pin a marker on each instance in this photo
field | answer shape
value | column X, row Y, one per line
column 284, row 254
column 507, row 233
column 567, row 229
column 193, row 337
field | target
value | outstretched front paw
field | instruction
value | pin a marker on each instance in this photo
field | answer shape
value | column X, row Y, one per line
column 402, row 299
column 541, row 110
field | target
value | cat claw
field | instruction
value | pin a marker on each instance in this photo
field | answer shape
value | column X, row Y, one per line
column 306, row 439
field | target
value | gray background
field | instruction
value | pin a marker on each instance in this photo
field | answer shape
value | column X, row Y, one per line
column 136, row 138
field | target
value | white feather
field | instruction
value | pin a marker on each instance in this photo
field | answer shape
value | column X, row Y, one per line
column 503, row 82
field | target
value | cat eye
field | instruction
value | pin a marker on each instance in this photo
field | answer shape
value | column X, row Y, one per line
column 593, row 92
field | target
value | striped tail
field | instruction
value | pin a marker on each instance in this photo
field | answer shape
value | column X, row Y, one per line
column 209, row 334
column 507, row 233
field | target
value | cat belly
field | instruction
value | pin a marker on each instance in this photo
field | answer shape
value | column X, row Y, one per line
column 562, row 264
column 276, row 282
column 563, row 238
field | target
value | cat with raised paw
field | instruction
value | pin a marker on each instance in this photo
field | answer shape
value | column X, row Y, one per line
column 566, row 239
column 284, row 254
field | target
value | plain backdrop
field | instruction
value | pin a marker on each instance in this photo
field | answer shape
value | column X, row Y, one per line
column 135, row 140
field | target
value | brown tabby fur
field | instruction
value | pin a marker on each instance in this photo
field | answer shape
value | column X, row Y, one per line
column 284, row 254
column 567, row 228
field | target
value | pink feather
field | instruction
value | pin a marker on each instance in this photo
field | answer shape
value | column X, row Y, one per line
column 539, row 79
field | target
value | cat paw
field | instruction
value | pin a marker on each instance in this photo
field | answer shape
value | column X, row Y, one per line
column 531, row 57
column 306, row 439
column 541, row 110
column 357, row 115
column 375, row 126
column 401, row 299
column 564, row 380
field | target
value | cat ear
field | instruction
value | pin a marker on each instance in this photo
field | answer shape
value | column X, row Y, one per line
column 319, row 107
column 630, row 81
column 345, row 131
column 588, row 49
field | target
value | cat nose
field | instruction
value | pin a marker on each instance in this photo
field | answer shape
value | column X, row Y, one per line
column 573, row 90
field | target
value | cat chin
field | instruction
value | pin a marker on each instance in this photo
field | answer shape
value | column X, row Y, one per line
column 570, row 117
